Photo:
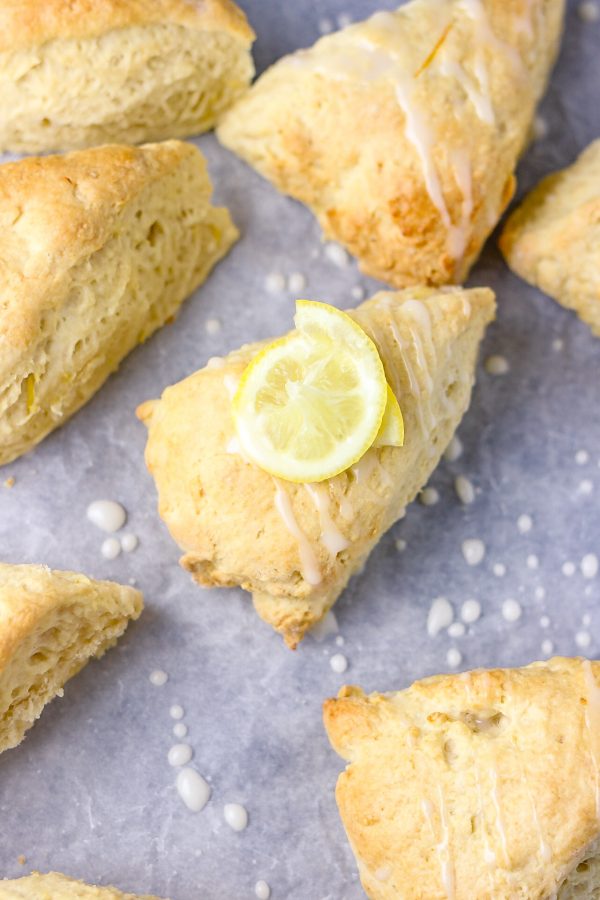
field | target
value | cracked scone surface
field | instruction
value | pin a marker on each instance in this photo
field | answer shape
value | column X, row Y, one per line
column 78, row 74
column 54, row 886
column 222, row 510
column 444, row 94
column 51, row 624
column 479, row 786
column 552, row 239
column 98, row 249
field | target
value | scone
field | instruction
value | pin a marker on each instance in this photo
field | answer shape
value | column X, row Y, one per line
column 294, row 546
column 553, row 239
column 54, row 886
column 76, row 74
column 98, row 249
column 402, row 132
column 480, row 786
column 51, row 624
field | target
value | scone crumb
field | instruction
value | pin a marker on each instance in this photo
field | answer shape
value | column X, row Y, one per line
column 21, row 860
column 10, row 482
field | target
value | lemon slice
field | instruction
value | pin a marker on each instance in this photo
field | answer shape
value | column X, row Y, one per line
column 311, row 404
column 391, row 433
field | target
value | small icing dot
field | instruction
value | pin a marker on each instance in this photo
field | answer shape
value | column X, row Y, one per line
column 582, row 457
column 193, row 789
column 583, row 639
column 524, row 523
column 176, row 711
column 338, row 663
column 464, row 489
column 236, row 816
column 108, row 515
column 496, row 365
column 212, row 326
column 262, row 890
column 589, row 565
column 180, row 730
column 358, row 292
column 457, row 629
column 540, row 128
column 440, row 616
column 344, row 19
column 454, row 450
column 532, row 561
column 110, row 548
column 453, row 657
column 547, row 647
column 511, row 610
column 275, row 283
column 339, row 641
column 325, row 26
column 336, row 254
column 180, row 755
column 129, row 542
column 586, row 620
column 586, row 487
column 540, row 593
column 544, row 621
column 557, row 344
column 400, row 545
column 158, row 677
column 499, row 570
column 568, row 569
column 429, row 496
column 473, row 551
column 589, row 11
column 470, row 611
column 296, row 283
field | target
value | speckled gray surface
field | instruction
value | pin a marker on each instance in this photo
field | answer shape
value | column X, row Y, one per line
column 90, row 791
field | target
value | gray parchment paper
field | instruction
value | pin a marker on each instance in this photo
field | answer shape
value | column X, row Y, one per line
column 90, row 791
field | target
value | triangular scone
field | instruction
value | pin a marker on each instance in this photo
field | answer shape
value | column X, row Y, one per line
column 552, row 240
column 88, row 73
column 55, row 886
column 295, row 546
column 480, row 786
column 51, row 624
column 98, row 249
column 402, row 132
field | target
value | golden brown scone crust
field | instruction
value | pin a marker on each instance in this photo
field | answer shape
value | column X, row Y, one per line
column 51, row 624
column 553, row 239
column 98, row 249
column 77, row 73
column 335, row 127
column 221, row 509
column 55, row 886
column 479, row 786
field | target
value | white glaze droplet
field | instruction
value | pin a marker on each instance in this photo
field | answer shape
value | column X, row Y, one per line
column 311, row 571
column 511, row 610
column 275, row 283
column 429, row 496
column 496, row 365
column 180, row 730
column 358, row 292
column 547, row 647
column 454, row 450
column 440, row 616
column 236, row 816
column 339, row 641
column 524, row 523
column 499, row 570
column 176, row 711
column 180, row 755
column 473, row 550
column 544, row 621
column 212, row 326
column 401, row 545
column 470, row 611
column 338, row 663
column 110, row 548
column 454, row 657
column 540, row 592
column 589, row 11
column 464, row 489
column 540, row 128
column 586, row 487
column 336, row 254
column 582, row 457
column 568, row 568
column 456, row 630
column 583, row 639
column 344, row 19
column 108, row 515
column 129, row 542
column 557, row 345
column 532, row 561
column 158, row 677
column 589, row 565
column 325, row 26
column 262, row 890
column 193, row 789
column 586, row 620
column 296, row 283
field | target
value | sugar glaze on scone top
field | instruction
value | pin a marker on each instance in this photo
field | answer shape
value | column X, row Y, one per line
column 402, row 132
column 294, row 546
column 478, row 786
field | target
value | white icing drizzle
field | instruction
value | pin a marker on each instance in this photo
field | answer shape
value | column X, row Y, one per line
column 592, row 724
column 493, row 773
column 478, row 94
column 231, row 383
column 489, row 855
column 413, row 382
column 442, row 846
column 484, row 34
column 346, row 509
column 311, row 571
column 331, row 537
column 545, row 850
column 459, row 234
